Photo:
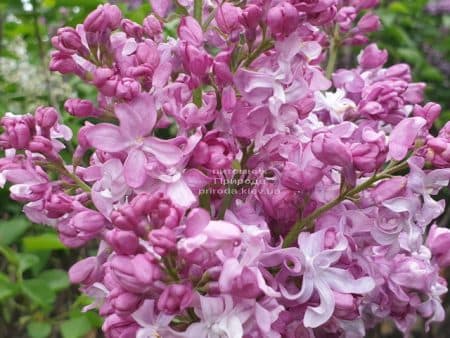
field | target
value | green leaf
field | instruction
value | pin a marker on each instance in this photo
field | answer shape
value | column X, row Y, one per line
column 398, row 7
column 39, row 330
column 12, row 229
column 9, row 254
column 57, row 280
column 48, row 241
column 39, row 292
column 7, row 288
column 75, row 327
column 27, row 261
column 410, row 55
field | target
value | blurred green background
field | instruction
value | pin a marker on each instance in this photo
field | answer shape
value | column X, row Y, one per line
column 36, row 299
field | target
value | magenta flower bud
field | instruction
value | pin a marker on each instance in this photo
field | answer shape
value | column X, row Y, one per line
column 32, row 193
column 369, row 23
column 388, row 189
column 125, row 218
column 144, row 203
column 282, row 19
column 218, row 152
column 330, row 150
column 80, row 108
column 322, row 17
column 109, row 87
column 19, row 130
column 89, row 221
column 295, row 178
column 195, row 60
column 368, row 157
column 46, row 117
column 251, row 16
column 96, row 21
column 86, row 272
column 400, row 71
column 437, row 150
column 412, row 272
column 114, row 16
column 41, row 144
column 223, row 73
column 175, row 298
column 63, row 63
column 165, row 214
column 190, row 31
column 135, row 274
column 346, row 306
column 372, row 57
column 68, row 41
column 414, row 93
column 152, row 26
column 345, row 17
column 132, row 29
column 124, row 303
column 439, row 243
column 123, row 242
column 83, row 143
column 430, row 112
column 371, row 109
column 81, row 228
column 58, row 204
column 105, row 16
column 227, row 17
column 101, row 76
column 163, row 240
column 128, row 89
column 356, row 40
column 116, row 326
column 148, row 55
column 370, row 152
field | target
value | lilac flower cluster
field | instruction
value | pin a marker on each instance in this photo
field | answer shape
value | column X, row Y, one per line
column 339, row 235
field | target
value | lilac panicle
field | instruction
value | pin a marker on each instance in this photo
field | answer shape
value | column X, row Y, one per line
column 235, row 186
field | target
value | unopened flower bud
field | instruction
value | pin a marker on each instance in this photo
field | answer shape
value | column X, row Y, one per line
column 282, row 19
column 46, row 117
column 227, row 17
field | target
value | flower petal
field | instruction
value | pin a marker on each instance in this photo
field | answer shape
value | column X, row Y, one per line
column 164, row 151
column 106, row 137
column 138, row 117
column 135, row 168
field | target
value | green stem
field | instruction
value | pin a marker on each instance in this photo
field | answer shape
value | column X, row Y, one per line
column 198, row 11
column 226, row 202
column 209, row 19
column 307, row 222
column 171, row 269
column 63, row 171
column 263, row 47
column 197, row 96
column 333, row 52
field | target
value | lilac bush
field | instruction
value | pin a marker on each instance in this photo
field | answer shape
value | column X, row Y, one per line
column 237, row 184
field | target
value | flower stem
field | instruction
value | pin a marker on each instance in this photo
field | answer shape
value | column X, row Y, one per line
column 307, row 222
column 226, row 202
column 198, row 11
column 63, row 171
column 197, row 96
column 263, row 47
column 333, row 52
